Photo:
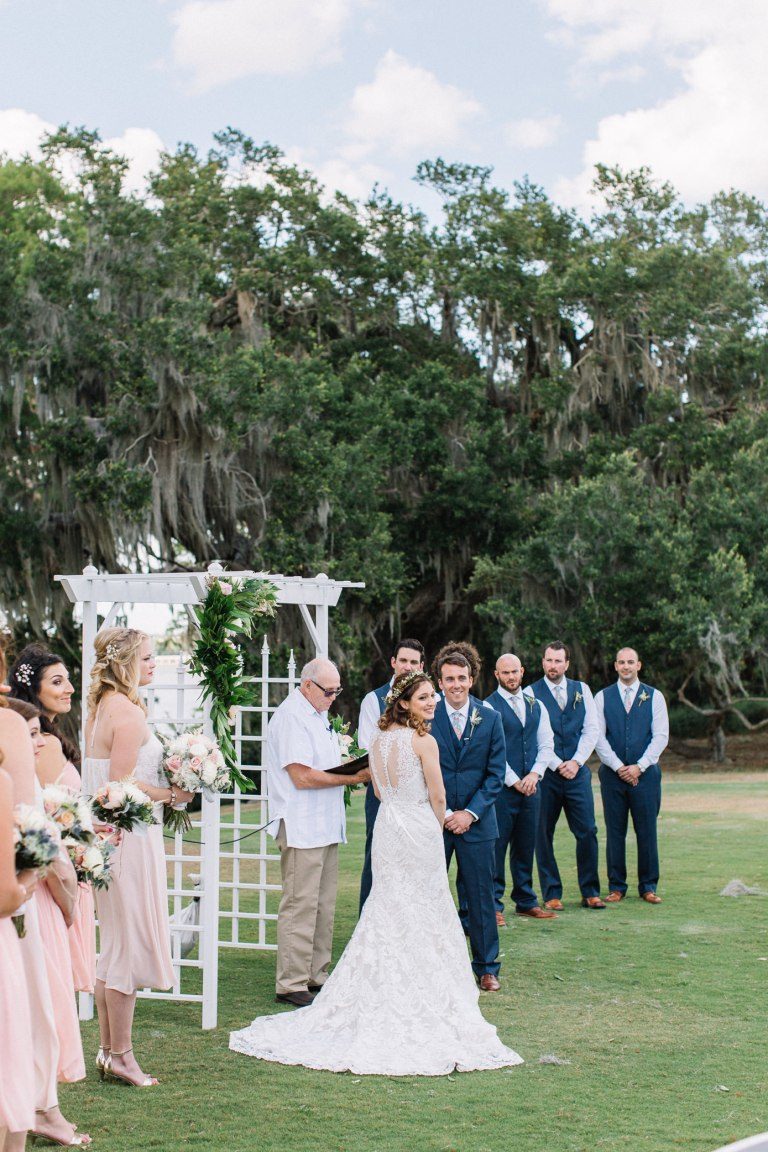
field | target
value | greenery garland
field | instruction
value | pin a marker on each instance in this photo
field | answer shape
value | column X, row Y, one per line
column 231, row 607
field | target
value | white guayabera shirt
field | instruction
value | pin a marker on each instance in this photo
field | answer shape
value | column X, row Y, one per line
column 298, row 734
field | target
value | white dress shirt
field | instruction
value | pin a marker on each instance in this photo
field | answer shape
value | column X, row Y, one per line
column 299, row 734
column 545, row 740
column 659, row 728
column 590, row 729
column 368, row 723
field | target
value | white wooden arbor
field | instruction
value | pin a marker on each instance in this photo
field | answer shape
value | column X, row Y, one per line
column 102, row 597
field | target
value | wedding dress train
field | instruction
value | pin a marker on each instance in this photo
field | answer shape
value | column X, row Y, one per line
column 402, row 1000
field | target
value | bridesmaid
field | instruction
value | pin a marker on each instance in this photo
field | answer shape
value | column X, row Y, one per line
column 134, row 926
column 18, row 761
column 17, row 1077
column 40, row 677
column 56, row 900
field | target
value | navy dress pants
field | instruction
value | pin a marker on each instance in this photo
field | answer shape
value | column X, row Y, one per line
column 643, row 802
column 475, row 862
column 372, row 806
column 518, row 818
column 574, row 797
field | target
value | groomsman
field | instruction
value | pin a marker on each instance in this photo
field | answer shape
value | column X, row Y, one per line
column 408, row 656
column 530, row 752
column 633, row 731
column 568, row 788
column 471, row 746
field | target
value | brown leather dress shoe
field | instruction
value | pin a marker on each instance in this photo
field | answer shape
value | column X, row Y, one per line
column 298, row 999
column 650, row 898
column 537, row 913
column 592, row 902
column 489, row 983
column 614, row 897
column 554, row 905
column 500, row 921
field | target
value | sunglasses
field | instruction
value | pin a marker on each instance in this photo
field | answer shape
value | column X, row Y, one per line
column 329, row 693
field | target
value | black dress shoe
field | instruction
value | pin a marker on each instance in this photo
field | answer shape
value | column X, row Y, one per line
column 298, row 999
column 314, row 988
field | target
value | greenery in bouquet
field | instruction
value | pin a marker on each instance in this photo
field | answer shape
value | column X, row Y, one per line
column 70, row 812
column 123, row 804
column 36, row 843
column 350, row 750
column 92, row 862
column 231, row 607
column 194, row 763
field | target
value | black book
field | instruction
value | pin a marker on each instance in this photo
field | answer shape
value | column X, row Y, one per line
column 352, row 767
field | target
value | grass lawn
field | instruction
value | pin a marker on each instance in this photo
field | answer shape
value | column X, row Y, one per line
column 658, row 1015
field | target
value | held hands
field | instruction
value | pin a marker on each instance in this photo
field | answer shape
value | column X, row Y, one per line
column 528, row 784
column 568, row 769
column 361, row 777
column 630, row 774
column 458, row 822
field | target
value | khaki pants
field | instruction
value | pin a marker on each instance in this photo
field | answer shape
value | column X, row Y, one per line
column 305, row 916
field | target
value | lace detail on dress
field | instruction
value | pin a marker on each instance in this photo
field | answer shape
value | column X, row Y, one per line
column 377, row 1014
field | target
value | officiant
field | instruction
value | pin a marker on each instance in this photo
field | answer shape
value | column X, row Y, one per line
column 306, row 807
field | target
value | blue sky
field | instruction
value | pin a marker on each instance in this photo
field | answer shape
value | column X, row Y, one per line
column 360, row 90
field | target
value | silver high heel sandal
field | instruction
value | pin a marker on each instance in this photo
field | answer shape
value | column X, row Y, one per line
column 147, row 1082
column 102, row 1059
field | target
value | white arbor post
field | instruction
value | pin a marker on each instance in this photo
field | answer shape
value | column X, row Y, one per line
column 103, row 595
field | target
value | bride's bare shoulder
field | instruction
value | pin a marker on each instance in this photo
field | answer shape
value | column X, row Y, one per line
column 423, row 742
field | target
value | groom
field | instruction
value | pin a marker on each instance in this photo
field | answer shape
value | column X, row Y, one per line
column 470, row 740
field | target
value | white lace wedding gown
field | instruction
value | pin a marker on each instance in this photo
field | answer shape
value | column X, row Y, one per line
column 402, row 1000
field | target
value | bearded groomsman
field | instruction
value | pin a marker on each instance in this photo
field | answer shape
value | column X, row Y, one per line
column 530, row 752
column 633, row 731
column 568, row 788
column 408, row 656
column 470, row 741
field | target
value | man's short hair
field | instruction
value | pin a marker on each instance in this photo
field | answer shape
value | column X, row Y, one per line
column 557, row 646
column 415, row 645
column 313, row 667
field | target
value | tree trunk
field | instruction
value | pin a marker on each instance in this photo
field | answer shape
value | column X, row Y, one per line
column 717, row 740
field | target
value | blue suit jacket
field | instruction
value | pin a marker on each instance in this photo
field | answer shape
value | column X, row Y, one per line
column 473, row 767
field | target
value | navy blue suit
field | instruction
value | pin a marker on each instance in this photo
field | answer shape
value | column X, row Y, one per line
column 629, row 734
column 372, row 805
column 517, row 814
column 574, row 797
column 473, row 774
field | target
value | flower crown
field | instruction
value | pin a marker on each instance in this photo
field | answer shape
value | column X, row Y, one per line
column 25, row 674
column 396, row 692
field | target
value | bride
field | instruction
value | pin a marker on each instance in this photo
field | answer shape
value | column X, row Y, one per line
column 402, row 1000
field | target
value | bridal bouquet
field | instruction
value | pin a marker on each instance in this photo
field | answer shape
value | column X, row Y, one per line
column 70, row 812
column 36, row 842
column 92, row 861
column 123, row 804
column 194, row 763
column 350, row 750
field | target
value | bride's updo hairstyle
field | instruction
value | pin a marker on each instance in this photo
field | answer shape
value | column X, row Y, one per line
column 396, row 710
column 117, row 665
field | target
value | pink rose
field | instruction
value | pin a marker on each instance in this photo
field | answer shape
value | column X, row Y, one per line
column 174, row 762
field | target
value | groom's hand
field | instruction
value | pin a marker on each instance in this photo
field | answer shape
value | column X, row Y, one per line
column 458, row 822
column 528, row 784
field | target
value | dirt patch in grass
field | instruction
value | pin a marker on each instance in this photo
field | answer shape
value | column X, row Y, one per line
column 739, row 801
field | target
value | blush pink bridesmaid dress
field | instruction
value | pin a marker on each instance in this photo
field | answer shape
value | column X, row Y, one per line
column 17, row 1078
column 82, row 933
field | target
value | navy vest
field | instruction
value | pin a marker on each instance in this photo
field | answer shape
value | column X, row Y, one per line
column 566, row 725
column 628, row 733
column 381, row 695
column 522, row 742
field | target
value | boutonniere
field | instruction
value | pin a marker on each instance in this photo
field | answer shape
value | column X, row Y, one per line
column 530, row 701
column 474, row 719
column 577, row 699
column 643, row 696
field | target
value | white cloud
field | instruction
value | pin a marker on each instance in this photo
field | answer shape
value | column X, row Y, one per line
column 533, row 133
column 218, row 41
column 707, row 135
column 339, row 174
column 406, row 109
column 21, row 133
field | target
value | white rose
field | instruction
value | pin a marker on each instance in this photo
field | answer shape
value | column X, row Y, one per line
column 208, row 773
column 116, row 796
column 199, row 749
column 93, row 860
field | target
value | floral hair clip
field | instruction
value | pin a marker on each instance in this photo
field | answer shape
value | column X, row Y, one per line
column 396, row 693
column 111, row 651
column 25, row 674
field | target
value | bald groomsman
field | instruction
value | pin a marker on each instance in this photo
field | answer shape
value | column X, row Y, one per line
column 633, row 731
column 408, row 656
column 568, row 787
column 530, row 752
